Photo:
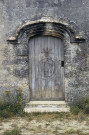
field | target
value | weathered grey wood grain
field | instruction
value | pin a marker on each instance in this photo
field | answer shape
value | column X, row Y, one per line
column 46, row 75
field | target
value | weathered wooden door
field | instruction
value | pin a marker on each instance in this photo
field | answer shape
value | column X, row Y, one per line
column 46, row 69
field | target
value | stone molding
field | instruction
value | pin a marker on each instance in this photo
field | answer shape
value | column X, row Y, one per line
column 45, row 27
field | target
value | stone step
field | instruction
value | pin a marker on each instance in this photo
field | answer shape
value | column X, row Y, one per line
column 46, row 106
column 47, row 102
column 46, row 109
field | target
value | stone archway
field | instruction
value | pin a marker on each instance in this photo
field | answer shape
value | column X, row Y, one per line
column 41, row 27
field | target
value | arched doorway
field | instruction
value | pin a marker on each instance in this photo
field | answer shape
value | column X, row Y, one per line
column 46, row 68
column 20, row 41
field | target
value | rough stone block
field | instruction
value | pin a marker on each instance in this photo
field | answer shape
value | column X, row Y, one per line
column 85, row 3
column 76, row 3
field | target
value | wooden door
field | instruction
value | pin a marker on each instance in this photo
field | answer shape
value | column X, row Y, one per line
column 46, row 71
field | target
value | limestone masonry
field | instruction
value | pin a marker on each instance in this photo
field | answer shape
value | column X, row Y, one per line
column 21, row 20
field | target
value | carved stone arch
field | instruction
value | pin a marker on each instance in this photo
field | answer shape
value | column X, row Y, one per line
column 45, row 27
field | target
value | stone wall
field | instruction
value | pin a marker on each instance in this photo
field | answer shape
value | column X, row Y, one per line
column 14, row 71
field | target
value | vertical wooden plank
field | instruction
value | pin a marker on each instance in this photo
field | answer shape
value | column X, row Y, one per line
column 31, row 57
column 50, row 79
column 36, row 67
column 57, row 80
column 40, row 42
column 51, row 56
column 45, row 48
column 30, row 69
column 33, row 69
column 39, row 72
column 62, row 68
column 43, row 59
column 42, row 80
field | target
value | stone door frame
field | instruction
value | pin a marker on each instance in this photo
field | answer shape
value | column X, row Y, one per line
column 46, row 27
